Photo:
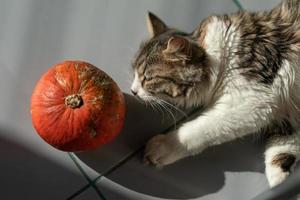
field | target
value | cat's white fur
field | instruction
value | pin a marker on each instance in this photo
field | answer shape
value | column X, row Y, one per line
column 275, row 147
column 136, row 86
column 243, row 108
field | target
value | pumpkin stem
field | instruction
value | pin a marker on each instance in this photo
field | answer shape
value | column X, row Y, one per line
column 74, row 101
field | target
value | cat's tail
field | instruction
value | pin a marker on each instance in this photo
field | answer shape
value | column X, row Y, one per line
column 282, row 153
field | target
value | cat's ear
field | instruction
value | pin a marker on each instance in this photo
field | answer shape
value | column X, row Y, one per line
column 179, row 48
column 178, row 44
column 155, row 25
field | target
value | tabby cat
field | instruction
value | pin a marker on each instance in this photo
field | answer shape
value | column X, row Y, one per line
column 243, row 68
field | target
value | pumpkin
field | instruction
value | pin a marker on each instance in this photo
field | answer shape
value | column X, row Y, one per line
column 76, row 107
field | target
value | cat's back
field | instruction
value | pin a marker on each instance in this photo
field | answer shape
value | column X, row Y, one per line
column 267, row 40
column 262, row 42
column 287, row 11
column 269, row 51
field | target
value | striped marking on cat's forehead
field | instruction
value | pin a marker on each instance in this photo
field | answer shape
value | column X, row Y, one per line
column 155, row 46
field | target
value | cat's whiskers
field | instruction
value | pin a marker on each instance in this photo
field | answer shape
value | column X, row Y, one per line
column 152, row 101
column 166, row 108
column 151, row 104
column 161, row 109
column 157, row 104
column 148, row 100
column 171, row 113
column 173, row 106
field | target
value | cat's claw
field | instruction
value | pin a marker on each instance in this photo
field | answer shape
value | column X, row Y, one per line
column 162, row 150
column 148, row 160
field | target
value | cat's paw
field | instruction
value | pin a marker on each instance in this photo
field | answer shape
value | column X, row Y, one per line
column 276, row 176
column 162, row 150
column 279, row 166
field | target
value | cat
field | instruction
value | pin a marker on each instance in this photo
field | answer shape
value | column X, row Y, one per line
column 242, row 68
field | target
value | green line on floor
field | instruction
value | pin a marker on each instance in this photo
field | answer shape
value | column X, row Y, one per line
column 78, row 192
column 238, row 4
column 91, row 183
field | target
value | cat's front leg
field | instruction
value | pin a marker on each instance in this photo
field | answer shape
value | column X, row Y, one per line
column 224, row 122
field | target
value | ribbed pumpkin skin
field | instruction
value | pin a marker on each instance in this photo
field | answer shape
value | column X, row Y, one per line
column 96, row 120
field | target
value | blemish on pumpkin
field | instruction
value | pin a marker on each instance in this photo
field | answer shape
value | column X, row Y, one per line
column 92, row 128
column 60, row 79
column 96, row 99
column 76, row 66
column 83, row 85
column 81, row 74
column 93, row 132
column 100, row 80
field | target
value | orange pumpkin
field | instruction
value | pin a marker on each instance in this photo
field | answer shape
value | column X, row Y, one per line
column 76, row 106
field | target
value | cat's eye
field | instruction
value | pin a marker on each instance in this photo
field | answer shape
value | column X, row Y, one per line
column 148, row 78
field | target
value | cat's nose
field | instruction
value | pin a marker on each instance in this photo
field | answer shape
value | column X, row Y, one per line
column 133, row 92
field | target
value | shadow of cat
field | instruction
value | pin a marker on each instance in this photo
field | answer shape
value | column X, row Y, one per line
column 189, row 178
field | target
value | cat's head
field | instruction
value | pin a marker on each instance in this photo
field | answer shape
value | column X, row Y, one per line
column 170, row 66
